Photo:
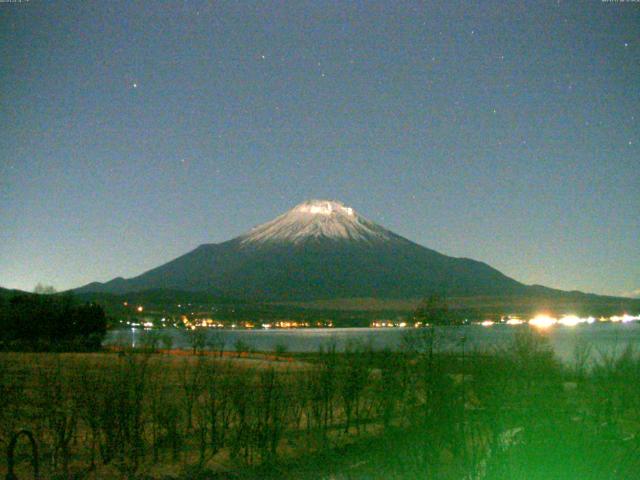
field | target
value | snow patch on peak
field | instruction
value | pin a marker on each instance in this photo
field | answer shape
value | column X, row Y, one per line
column 323, row 207
column 317, row 219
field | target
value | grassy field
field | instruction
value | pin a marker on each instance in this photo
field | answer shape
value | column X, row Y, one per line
column 512, row 413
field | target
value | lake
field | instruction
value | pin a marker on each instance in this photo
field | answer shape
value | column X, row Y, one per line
column 609, row 338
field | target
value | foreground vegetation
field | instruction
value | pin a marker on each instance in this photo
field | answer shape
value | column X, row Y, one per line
column 418, row 413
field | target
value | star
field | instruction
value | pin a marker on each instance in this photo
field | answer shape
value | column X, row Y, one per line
column 135, row 85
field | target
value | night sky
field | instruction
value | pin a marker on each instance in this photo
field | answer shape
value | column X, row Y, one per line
column 506, row 132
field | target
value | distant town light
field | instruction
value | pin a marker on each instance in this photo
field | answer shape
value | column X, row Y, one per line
column 514, row 321
column 542, row 321
column 571, row 320
column 626, row 318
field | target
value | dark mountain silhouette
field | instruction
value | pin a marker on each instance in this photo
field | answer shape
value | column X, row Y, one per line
column 318, row 250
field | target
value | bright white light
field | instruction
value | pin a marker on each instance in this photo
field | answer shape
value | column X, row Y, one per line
column 571, row 320
column 626, row 318
column 514, row 321
column 542, row 321
column 487, row 323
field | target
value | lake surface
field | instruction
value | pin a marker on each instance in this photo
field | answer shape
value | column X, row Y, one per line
column 604, row 338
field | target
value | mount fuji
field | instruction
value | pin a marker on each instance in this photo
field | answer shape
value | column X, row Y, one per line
column 318, row 250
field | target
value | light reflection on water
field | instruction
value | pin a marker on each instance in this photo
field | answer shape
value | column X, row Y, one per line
column 604, row 338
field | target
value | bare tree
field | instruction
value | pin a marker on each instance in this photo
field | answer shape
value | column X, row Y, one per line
column 42, row 289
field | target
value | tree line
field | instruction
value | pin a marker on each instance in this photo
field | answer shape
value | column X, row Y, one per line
column 55, row 322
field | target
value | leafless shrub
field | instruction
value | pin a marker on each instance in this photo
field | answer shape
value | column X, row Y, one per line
column 58, row 412
column 191, row 382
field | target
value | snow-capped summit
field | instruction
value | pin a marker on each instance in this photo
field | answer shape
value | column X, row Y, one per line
column 323, row 207
column 315, row 219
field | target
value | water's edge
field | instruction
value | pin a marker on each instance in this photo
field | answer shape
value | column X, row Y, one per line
column 604, row 339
